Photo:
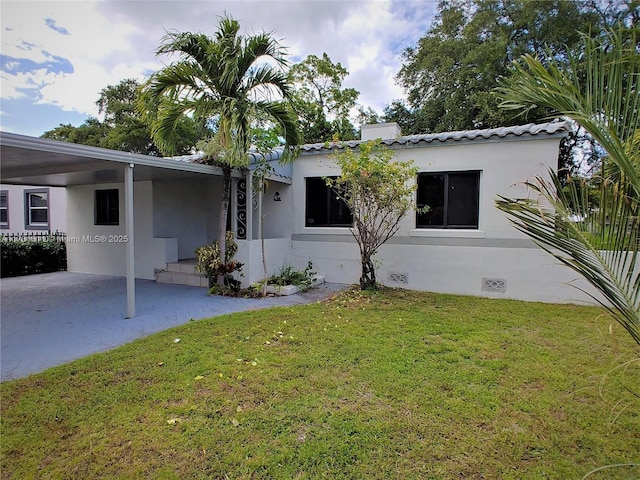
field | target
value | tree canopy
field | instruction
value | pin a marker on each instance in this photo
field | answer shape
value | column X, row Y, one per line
column 450, row 75
column 224, row 80
column 123, row 128
column 321, row 103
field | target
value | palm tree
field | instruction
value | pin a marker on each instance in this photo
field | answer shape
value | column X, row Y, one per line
column 600, row 91
column 224, row 79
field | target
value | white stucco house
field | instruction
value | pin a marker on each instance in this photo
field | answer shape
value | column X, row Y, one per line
column 28, row 209
column 464, row 245
column 143, row 216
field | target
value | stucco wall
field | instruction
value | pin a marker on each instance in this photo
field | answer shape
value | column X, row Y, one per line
column 100, row 249
column 16, row 209
column 277, row 254
column 182, row 209
column 447, row 260
column 278, row 215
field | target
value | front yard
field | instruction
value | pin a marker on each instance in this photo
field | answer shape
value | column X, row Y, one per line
column 394, row 385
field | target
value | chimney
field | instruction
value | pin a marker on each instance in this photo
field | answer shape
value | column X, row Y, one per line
column 385, row 131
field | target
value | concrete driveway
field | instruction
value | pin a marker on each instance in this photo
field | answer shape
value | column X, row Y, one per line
column 53, row 318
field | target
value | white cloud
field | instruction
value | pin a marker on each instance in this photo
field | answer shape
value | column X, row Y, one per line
column 91, row 42
column 106, row 42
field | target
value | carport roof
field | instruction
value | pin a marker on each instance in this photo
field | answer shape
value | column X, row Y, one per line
column 28, row 160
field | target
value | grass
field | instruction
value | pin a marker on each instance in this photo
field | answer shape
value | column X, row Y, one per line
column 391, row 385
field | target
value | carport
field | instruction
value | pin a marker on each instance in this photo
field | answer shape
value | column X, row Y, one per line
column 36, row 161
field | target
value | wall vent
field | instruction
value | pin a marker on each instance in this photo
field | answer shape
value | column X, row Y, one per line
column 494, row 285
column 399, row 277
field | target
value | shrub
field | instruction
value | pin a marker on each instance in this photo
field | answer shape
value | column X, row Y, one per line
column 288, row 275
column 208, row 262
column 26, row 257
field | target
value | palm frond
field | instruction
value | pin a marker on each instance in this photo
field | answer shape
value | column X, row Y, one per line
column 606, row 103
column 189, row 45
column 265, row 78
column 261, row 45
column 219, row 77
column 601, row 244
column 164, row 130
column 282, row 113
column 600, row 241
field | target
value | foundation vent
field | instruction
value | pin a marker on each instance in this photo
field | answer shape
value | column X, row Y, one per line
column 399, row 277
column 494, row 285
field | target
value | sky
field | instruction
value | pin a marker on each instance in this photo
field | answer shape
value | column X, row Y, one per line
column 57, row 56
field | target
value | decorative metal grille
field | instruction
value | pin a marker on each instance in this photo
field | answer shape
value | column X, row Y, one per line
column 399, row 277
column 241, row 209
column 494, row 285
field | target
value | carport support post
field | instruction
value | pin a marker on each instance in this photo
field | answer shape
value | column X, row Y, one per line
column 131, row 278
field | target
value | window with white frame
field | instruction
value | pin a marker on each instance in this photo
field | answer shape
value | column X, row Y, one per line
column 4, row 209
column 323, row 207
column 453, row 199
column 37, row 209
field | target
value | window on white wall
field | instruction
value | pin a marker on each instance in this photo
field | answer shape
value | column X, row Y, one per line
column 37, row 209
column 107, row 208
column 323, row 208
column 453, row 199
column 4, row 209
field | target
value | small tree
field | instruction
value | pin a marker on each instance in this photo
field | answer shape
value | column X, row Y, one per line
column 265, row 140
column 379, row 193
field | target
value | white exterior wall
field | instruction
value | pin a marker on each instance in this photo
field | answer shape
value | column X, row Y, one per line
column 16, row 209
column 277, row 254
column 100, row 249
column 447, row 260
column 278, row 215
column 182, row 209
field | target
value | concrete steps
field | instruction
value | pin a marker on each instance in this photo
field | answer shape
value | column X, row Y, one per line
column 182, row 272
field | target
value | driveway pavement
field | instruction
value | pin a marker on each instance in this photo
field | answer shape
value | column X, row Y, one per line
column 53, row 318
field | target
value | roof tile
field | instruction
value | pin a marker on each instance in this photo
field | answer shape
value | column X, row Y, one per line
column 550, row 128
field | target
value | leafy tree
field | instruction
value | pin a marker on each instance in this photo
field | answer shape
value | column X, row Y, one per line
column 126, row 131
column 411, row 121
column 450, row 75
column 92, row 132
column 603, row 245
column 452, row 72
column 379, row 192
column 223, row 80
column 123, row 127
column 321, row 103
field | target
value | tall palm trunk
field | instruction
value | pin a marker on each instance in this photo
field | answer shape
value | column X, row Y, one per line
column 222, row 226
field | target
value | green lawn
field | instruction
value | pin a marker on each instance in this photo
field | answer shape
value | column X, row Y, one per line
column 394, row 385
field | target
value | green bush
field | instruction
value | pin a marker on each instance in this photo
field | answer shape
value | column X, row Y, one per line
column 208, row 262
column 26, row 257
column 288, row 275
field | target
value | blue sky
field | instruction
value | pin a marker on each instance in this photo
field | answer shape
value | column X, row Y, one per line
column 57, row 56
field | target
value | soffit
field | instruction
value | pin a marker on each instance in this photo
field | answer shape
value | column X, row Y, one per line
column 36, row 161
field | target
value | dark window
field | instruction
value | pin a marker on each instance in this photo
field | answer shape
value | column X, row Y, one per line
column 323, row 207
column 453, row 199
column 107, row 208
column 4, row 209
column 36, row 209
